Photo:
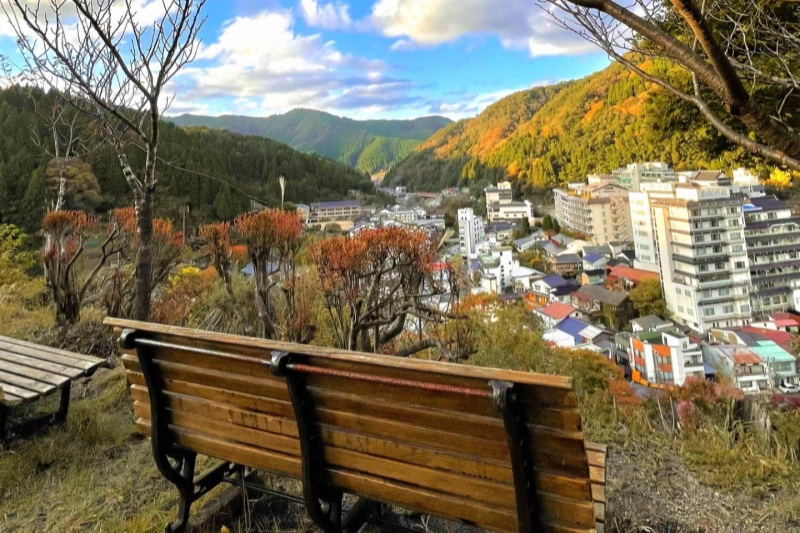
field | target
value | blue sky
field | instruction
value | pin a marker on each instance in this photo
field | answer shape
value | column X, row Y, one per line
column 373, row 58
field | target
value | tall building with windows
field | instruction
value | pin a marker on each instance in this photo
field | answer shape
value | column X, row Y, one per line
column 470, row 231
column 632, row 176
column 599, row 211
column 772, row 233
column 702, row 256
column 642, row 222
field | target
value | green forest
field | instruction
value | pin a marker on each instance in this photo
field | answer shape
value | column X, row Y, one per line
column 233, row 163
column 547, row 136
column 368, row 145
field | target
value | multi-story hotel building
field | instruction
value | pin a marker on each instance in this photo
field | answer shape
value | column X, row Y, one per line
column 633, row 175
column 599, row 211
column 470, row 231
column 705, row 271
column 772, row 234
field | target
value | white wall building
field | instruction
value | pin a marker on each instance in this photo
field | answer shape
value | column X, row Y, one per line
column 633, row 175
column 599, row 211
column 702, row 256
column 470, row 231
column 510, row 211
column 642, row 222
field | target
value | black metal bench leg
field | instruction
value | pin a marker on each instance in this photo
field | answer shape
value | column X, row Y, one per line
column 323, row 501
column 3, row 420
column 187, row 494
column 63, row 408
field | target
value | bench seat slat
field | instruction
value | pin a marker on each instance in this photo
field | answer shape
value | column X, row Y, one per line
column 37, row 387
column 381, row 489
column 260, row 347
column 193, row 415
column 58, row 371
column 563, row 444
column 11, row 392
column 80, row 366
column 32, row 373
column 91, row 360
column 567, row 419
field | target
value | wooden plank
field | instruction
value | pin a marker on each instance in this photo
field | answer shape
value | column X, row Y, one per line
column 32, row 373
column 56, row 351
column 595, row 458
column 7, row 378
column 562, row 443
column 38, row 364
column 600, row 512
column 562, row 485
column 598, row 493
column 12, row 392
column 9, row 399
column 364, row 485
column 80, row 366
column 235, row 343
column 597, row 475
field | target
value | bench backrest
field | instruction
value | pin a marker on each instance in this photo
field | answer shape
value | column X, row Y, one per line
column 422, row 435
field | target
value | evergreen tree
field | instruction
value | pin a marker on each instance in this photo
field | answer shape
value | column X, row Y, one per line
column 225, row 205
column 32, row 207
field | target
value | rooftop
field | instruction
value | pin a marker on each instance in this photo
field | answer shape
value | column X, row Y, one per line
column 567, row 258
column 650, row 322
column 633, row 274
column 335, row 205
column 604, row 295
column 557, row 310
column 592, row 257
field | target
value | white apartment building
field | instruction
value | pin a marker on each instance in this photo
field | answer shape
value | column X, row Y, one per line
column 772, row 233
column 599, row 211
column 633, row 175
column 705, row 271
column 470, row 231
column 510, row 211
column 502, row 194
column 642, row 222
column 498, row 268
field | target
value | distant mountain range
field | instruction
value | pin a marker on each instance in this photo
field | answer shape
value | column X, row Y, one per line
column 369, row 145
column 546, row 136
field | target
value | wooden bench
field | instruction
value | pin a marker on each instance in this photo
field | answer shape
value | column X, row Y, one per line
column 29, row 372
column 497, row 449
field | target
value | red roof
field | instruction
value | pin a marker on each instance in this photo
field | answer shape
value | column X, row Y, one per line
column 785, row 319
column 557, row 310
column 743, row 356
column 581, row 296
column 781, row 338
column 634, row 274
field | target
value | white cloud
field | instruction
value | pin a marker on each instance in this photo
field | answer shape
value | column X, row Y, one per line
column 330, row 16
column 519, row 24
column 261, row 60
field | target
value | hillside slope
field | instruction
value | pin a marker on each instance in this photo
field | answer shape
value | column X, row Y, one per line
column 550, row 135
column 369, row 145
column 236, row 162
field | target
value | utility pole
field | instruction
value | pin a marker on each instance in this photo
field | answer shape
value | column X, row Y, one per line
column 282, row 181
column 184, row 210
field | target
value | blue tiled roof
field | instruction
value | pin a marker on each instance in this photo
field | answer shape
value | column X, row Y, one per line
column 555, row 280
column 572, row 326
column 591, row 258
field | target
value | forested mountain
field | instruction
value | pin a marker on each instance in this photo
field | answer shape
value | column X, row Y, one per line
column 547, row 136
column 369, row 145
column 28, row 179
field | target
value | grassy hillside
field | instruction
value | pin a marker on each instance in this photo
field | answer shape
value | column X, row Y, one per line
column 549, row 135
column 369, row 145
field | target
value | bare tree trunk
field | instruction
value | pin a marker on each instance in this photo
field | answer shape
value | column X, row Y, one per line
column 144, row 256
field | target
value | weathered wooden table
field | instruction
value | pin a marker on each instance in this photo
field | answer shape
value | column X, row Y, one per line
column 28, row 372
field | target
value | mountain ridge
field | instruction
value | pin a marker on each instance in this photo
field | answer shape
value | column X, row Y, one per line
column 368, row 145
column 543, row 137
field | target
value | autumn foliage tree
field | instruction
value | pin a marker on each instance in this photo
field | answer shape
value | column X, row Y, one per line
column 373, row 282
column 166, row 246
column 64, row 234
column 218, row 238
column 273, row 238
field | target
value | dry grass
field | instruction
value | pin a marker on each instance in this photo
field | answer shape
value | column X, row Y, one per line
column 94, row 474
